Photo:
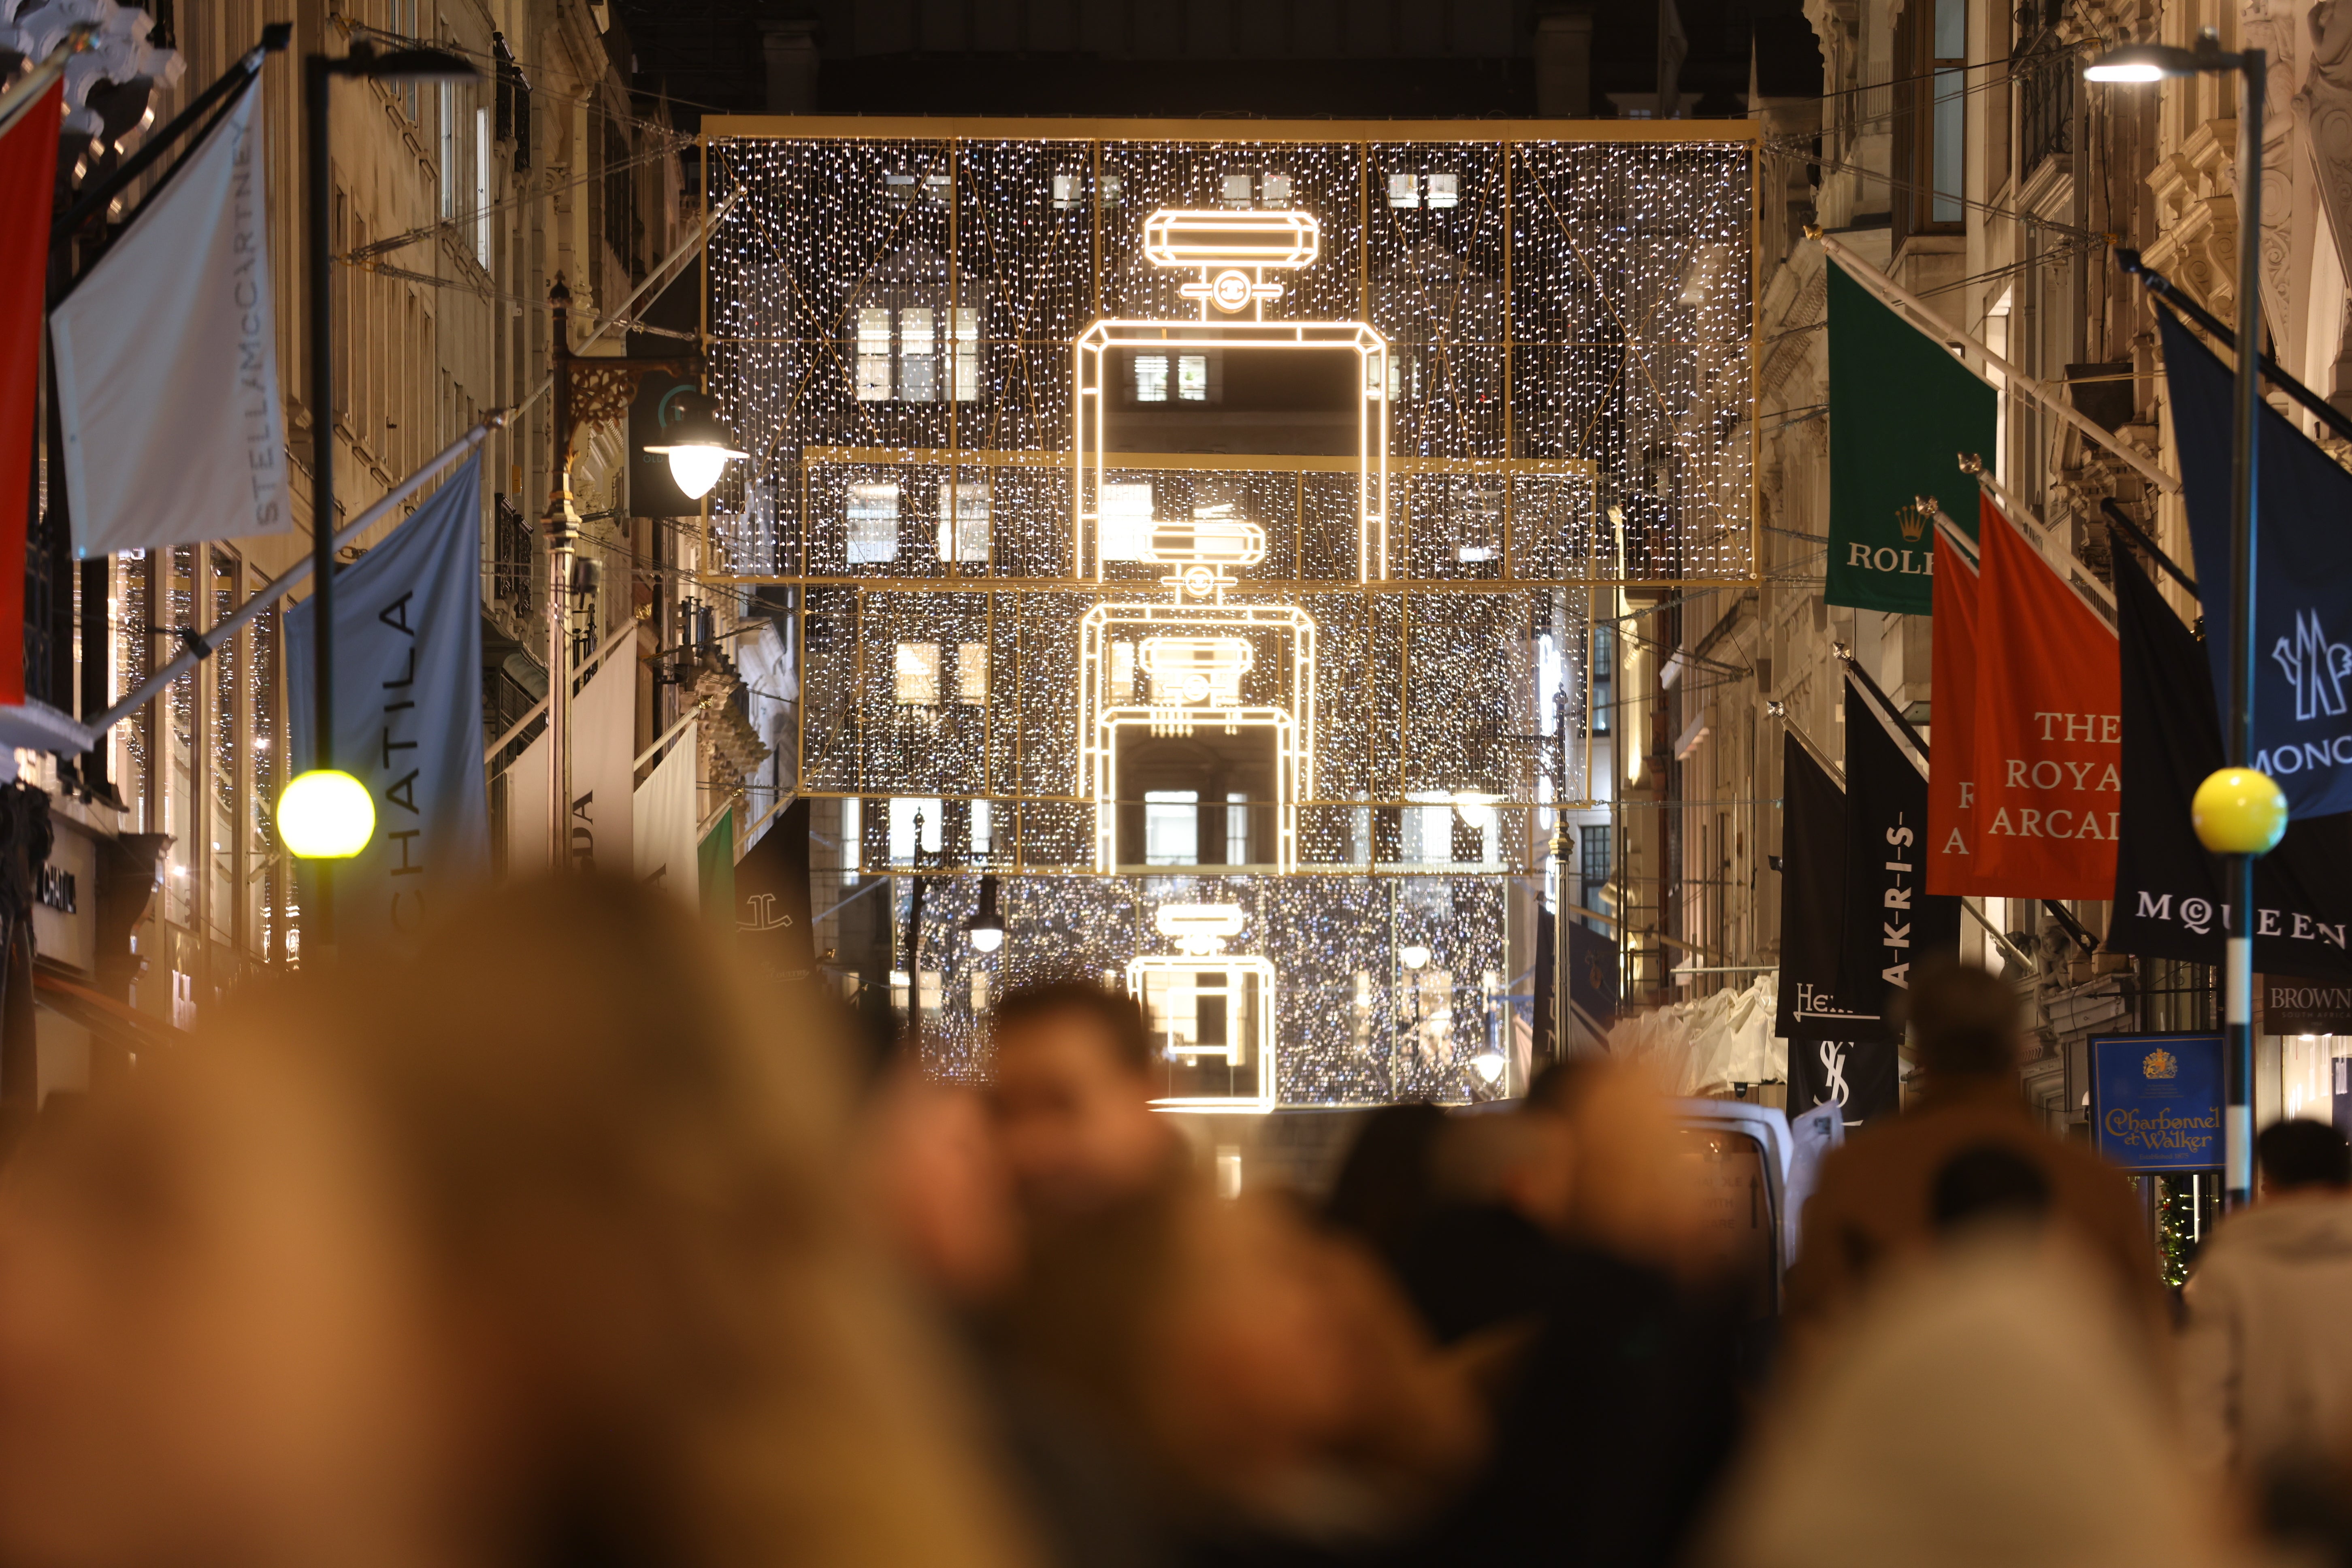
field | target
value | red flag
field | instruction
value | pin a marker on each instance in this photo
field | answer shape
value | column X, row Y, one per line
column 28, row 177
column 1952, row 867
column 2049, row 729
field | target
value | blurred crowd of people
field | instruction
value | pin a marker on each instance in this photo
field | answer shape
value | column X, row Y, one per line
column 563, row 1244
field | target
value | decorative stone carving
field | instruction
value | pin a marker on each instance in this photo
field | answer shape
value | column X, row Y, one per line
column 2323, row 110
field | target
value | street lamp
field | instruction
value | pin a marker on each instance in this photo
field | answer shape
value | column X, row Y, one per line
column 2238, row 814
column 326, row 815
column 699, row 447
column 592, row 391
column 986, row 929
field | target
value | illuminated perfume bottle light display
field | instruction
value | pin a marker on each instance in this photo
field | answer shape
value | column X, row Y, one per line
column 1211, row 529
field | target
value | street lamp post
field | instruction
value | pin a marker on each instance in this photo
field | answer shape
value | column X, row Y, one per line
column 320, row 813
column 2238, row 813
column 592, row 391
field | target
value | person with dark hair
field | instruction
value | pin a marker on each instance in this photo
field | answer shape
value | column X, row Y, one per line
column 1877, row 1197
column 1384, row 1187
column 1989, row 1184
column 1071, row 1091
column 2266, row 1372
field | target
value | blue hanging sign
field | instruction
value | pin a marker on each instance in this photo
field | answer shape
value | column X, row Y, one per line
column 2155, row 1100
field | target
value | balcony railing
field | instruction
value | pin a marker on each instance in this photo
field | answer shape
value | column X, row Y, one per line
column 510, row 564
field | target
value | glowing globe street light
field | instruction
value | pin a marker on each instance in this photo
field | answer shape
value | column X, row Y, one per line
column 2238, row 813
column 698, row 446
column 986, row 929
column 325, row 815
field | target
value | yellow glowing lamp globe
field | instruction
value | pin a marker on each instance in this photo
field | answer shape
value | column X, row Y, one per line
column 2238, row 811
column 325, row 816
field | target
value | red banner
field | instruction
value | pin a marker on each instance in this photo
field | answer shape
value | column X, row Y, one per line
column 1952, row 867
column 28, row 177
column 2049, row 730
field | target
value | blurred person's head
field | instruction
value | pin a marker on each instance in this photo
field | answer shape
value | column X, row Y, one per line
column 1072, row 1089
column 1384, row 1188
column 1561, row 1084
column 1988, row 1183
column 2300, row 1155
column 1635, row 1190
column 1223, row 1342
column 938, row 1178
column 530, row 1249
column 1520, row 1160
column 1963, row 1023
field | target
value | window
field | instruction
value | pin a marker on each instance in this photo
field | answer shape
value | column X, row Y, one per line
column 916, row 356
column 872, row 524
column 1604, row 693
column 1237, row 830
column 1122, row 672
column 983, row 829
column 971, row 674
column 1192, row 378
column 1171, row 827
column 963, row 349
column 1126, row 527
column 926, row 341
column 1591, row 864
column 963, row 523
column 482, row 141
column 907, row 812
column 1428, row 827
column 916, row 675
column 1404, row 191
column 1930, row 116
column 872, row 355
column 1274, row 190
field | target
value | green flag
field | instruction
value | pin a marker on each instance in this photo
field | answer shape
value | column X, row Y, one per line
column 1902, row 410
column 715, row 863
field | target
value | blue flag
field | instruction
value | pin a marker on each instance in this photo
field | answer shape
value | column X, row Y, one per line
column 408, row 714
column 2302, row 578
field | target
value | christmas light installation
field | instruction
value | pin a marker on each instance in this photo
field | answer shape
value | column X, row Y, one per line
column 1048, row 609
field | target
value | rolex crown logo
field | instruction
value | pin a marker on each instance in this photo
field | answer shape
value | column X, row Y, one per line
column 1913, row 520
column 2159, row 1063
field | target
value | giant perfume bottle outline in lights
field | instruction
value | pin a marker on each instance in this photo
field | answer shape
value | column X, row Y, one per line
column 1233, row 679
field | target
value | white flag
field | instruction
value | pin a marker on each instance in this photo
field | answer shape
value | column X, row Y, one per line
column 167, row 360
column 604, row 765
column 665, row 824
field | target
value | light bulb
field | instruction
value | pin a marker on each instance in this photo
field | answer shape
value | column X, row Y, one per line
column 1413, row 957
column 1488, row 1065
column 326, row 816
column 2129, row 70
column 987, row 939
column 696, row 469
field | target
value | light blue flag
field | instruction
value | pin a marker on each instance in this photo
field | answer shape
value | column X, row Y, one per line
column 408, row 715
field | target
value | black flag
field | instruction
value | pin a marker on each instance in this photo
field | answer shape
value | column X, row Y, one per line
column 1892, row 925
column 2169, row 900
column 772, row 898
column 1812, row 903
column 1544, row 1047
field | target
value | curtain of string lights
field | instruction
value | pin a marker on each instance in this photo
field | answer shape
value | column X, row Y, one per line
column 1568, row 417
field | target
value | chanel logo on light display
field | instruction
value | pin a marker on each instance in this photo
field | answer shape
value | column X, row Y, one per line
column 1191, row 527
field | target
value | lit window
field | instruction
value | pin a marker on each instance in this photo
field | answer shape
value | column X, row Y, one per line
column 1404, row 190
column 1235, row 190
column 972, row 673
column 1275, row 190
column 1193, row 378
column 916, row 676
column 1445, row 190
column 872, row 524
column 1171, row 827
column 1151, row 378
column 1122, row 672
column 1236, row 830
column 1125, row 528
column 485, row 148
column 1601, row 688
column 918, row 360
column 904, row 811
column 873, row 356
column 983, row 829
column 1068, row 192
column 964, row 345
column 963, row 523
column 1428, row 829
